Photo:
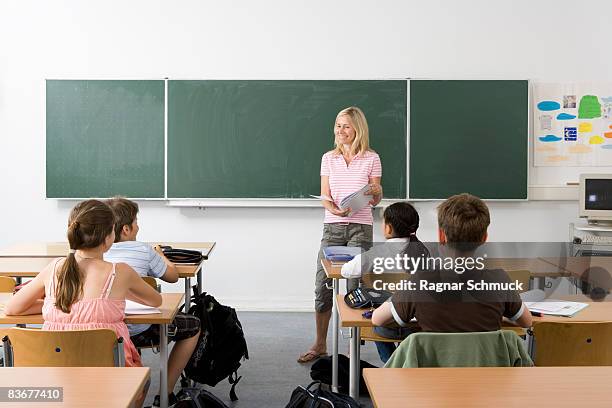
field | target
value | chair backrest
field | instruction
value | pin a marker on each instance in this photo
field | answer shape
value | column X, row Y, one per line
column 79, row 348
column 573, row 344
column 151, row 281
column 499, row 348
column 7, row 284
column 521, row 276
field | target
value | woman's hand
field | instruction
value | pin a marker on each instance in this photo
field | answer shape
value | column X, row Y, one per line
column 340, row 213
column 376, row 192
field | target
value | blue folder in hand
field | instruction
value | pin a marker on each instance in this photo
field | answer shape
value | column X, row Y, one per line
column 341, row 253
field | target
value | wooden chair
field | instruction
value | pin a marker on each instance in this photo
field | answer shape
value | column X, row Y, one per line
column 524, row 277
column 79, row 348
column 573, row 344
column 7, row 284
column 521, row 276
column 151, row 281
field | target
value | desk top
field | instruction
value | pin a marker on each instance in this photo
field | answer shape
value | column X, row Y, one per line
column 578, row 265
column 30, row 267
column 594, row 312
column 23, row 267
column 57, row 249
column 83, row 386
column 538, row 267
column 169, row 308
column 332, row 270
column 489, row 387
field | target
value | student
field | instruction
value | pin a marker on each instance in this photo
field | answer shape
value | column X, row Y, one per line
column 185, row 328
column 462, row 226
column 400, row 224
column 82, row 291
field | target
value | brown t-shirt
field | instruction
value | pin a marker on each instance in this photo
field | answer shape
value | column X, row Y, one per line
column 459, row 309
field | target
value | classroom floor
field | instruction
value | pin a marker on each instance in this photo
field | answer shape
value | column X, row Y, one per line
column 270, row 375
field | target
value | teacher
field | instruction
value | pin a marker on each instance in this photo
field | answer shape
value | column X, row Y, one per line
column 344, row 170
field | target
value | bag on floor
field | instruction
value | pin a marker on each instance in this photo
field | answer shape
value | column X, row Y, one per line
column 200, row 398
column 221, row 346
column 321, row 371
column 316, row 397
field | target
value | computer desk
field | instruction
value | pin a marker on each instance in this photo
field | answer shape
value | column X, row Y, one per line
column 169, row 308
column 566, row 387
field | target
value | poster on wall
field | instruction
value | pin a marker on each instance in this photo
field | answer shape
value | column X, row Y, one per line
column 572, row 124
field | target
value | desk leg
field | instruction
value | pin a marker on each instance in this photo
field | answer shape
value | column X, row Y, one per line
column 530, row 343
column 200, row 278
column 354, row 373
column 163, row 365
column 187, row 294
column 335, row 336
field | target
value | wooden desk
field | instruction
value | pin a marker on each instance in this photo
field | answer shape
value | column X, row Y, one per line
column 57, row 249
column 352, row 318
column 22, row 267
column 489, row 387
column 538, row 267
column 168, row 308
column 82, row 386
column 576, row 266
column 27, row 260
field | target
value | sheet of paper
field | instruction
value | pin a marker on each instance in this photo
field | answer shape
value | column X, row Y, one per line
column 133, row 308
column 357, row 200
column 556, row 308
column 322, row 197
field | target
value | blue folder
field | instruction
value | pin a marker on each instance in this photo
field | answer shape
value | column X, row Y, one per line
column 341, row 253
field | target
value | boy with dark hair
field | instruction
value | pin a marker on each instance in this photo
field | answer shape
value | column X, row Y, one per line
column 462, row 227
column 147, row 261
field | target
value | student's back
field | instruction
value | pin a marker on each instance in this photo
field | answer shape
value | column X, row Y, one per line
column 82, row 291
column 102, row 305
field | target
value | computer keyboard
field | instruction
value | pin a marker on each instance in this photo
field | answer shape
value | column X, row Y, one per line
column 596, row 239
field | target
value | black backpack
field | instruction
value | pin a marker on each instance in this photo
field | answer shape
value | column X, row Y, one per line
column 221, row 346
column 199, row 399
column 321, row 371
column 319, row 398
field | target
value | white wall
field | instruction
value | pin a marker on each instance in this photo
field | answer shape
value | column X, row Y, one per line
column 265, row 257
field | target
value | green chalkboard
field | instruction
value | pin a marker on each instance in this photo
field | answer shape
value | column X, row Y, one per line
column 105, row 138
column 468, row 136
column 265, row 139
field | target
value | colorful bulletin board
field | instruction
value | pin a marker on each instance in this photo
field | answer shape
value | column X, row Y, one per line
column 572, row 124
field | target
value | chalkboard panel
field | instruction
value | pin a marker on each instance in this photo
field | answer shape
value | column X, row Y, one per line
column 265, row 139
column 468, row 136
column 105, row 138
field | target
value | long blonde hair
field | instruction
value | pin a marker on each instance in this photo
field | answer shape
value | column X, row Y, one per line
column 362, row 133
column 89, row 224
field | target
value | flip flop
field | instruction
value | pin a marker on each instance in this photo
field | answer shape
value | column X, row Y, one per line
column 309, row 356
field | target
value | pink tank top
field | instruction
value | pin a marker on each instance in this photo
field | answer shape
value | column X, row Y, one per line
column 95, row 313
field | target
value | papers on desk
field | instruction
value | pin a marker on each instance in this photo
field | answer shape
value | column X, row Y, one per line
column 556, row 307
column 133, row 308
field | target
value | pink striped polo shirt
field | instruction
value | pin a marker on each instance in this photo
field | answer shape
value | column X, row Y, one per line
column 344, row 180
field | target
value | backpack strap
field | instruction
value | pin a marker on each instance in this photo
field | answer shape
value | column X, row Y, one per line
column 231, row 380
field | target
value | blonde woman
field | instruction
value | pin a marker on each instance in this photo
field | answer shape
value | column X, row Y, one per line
column 344, row 170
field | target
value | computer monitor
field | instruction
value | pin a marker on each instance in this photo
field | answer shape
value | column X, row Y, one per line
column 596, row 198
